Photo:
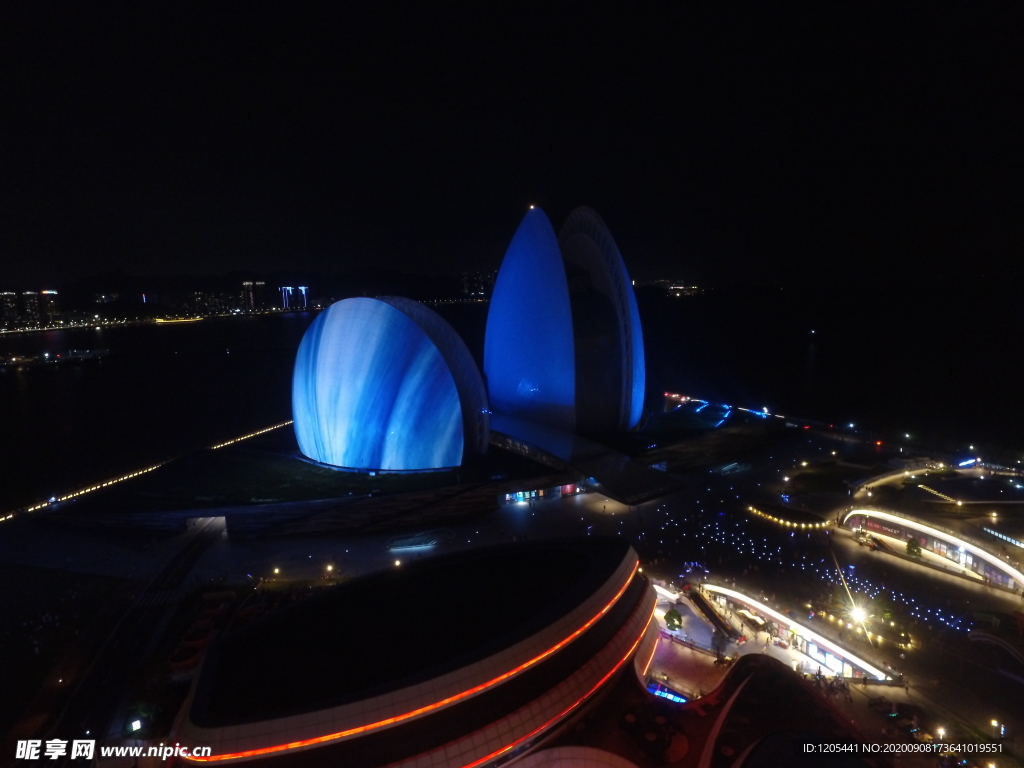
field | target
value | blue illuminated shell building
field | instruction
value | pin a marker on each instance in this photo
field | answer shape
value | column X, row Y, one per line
column 564, row 346
column 386, row 384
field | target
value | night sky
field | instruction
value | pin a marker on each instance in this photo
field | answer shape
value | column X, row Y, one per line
column 752, row 145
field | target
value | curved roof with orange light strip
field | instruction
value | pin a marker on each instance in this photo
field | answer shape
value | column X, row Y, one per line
column 436, row 707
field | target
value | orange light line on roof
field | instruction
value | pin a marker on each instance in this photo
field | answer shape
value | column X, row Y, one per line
column 429, row 707
column 571, row 707
column 653, row 651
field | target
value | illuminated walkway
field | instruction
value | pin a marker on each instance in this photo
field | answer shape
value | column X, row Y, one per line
column 978, row 553
column 789, row 656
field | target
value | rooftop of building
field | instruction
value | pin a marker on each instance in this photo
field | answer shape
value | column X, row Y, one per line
column 340, row 647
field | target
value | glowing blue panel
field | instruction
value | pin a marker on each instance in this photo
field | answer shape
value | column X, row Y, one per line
column 468, row 382
column 528, row 350
column 372, row 391
column 636, row 405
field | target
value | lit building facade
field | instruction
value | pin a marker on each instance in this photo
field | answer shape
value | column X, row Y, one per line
column 386, row 384
column 294, row 297
column 253, row 297
column 9, row 307
column 30, row 307
column 50, row 307
column 478, row 283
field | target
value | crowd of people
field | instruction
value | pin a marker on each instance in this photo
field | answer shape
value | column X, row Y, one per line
column 832, row 686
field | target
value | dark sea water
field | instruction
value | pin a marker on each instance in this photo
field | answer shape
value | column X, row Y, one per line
column 162, row 391
column 939, row 363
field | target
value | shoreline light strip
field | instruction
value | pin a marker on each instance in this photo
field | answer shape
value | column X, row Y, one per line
column 136, row 473
column 91, row 488
column 810, row 634
column 429, row 707
column 948, row 537
column 251, row 434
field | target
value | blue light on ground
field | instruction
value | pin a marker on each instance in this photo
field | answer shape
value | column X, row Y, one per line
column 724, row 417
column 666, row 693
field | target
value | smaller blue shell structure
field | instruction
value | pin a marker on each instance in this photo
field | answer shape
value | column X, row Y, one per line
column 386, row 384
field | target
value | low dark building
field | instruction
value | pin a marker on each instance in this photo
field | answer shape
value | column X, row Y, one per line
column 342, row 680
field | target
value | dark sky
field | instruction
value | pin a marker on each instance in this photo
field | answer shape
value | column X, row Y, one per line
column 764, row 146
